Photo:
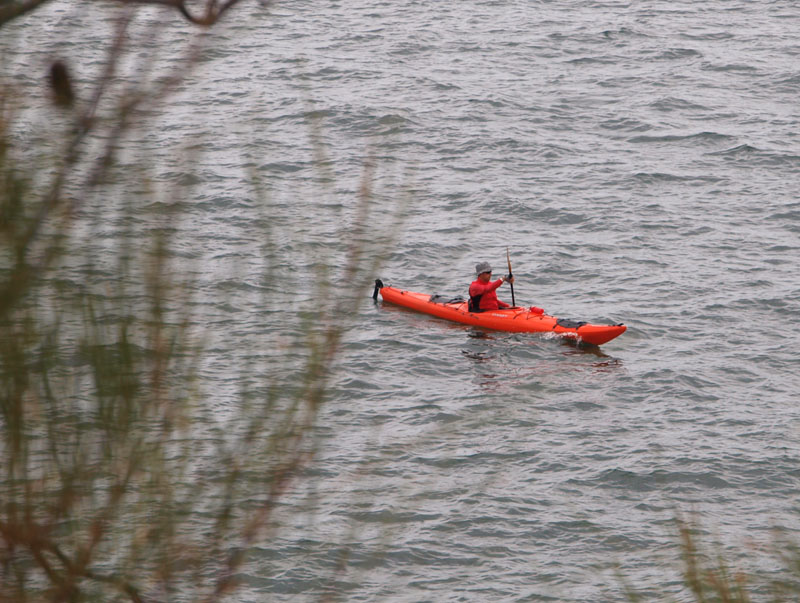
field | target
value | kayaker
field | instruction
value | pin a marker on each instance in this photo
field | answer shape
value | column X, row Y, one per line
column 482, row 294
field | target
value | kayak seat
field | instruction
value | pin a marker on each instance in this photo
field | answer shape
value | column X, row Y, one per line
column 474, row 304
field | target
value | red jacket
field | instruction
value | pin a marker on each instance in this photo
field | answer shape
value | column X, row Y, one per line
column 489, row 299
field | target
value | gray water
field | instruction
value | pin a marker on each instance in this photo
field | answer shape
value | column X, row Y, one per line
column 641, row 162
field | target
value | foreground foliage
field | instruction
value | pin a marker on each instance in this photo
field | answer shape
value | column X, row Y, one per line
column 118, row 480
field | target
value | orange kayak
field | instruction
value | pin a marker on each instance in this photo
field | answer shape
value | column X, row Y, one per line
column 517, row 319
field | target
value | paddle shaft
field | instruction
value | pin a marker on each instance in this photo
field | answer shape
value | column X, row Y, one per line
column 510, row 275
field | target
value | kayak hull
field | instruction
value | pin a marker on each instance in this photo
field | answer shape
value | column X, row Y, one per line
column 514, row 320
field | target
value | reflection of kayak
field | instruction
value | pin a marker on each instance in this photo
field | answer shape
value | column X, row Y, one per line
column 518, row 320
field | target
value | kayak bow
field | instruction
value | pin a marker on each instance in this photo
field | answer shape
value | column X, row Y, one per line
column 515, row 320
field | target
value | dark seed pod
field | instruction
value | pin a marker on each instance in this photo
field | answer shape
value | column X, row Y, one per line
column 60, row 85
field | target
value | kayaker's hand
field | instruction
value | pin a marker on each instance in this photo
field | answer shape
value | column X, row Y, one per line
column 508, row 279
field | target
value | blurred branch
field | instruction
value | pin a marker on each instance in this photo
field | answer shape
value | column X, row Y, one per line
column 207, row 16
column 10, row 10
column 26, row 267
column 212, row 12
column 31, row 261
column 707, row 580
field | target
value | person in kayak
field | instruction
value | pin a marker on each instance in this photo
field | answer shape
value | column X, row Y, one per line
column 482, row 294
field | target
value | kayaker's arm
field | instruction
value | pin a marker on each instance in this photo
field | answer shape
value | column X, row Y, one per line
column 495, row 284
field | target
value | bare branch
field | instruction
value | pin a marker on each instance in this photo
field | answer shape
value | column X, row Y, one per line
column 211, row 14
column 213, row 9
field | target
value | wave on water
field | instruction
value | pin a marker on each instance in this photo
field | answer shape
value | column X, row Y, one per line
column 701, row 138
column 677, row 54
column 662, row 177
column 755, row 156
column 673, row 104
column 733, row 68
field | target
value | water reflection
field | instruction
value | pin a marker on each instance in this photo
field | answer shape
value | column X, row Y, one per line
column 502, row 360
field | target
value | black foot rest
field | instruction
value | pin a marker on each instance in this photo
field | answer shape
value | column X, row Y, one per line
column 441, row 299
column 568, row 323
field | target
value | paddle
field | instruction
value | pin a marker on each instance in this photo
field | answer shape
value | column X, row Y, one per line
column 510, row 275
